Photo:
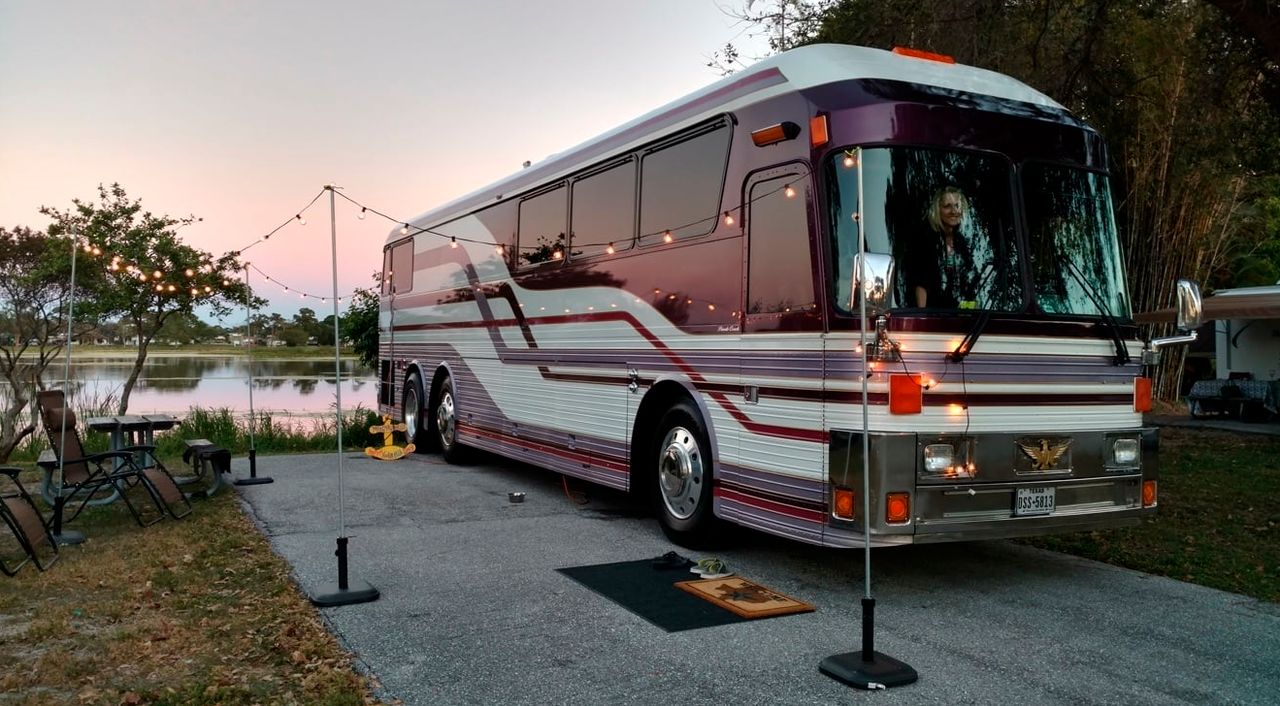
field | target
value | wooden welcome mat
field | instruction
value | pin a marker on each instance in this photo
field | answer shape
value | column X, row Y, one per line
column 744, row 598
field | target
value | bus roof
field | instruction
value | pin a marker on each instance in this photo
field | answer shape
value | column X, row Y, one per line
column 794, row 70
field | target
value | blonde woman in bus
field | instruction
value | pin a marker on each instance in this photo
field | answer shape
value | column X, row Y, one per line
column 941, row 271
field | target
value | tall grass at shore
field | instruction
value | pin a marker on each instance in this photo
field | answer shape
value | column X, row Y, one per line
column 270, row 433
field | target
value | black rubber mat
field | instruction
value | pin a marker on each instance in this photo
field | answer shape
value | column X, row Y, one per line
column 651, row 593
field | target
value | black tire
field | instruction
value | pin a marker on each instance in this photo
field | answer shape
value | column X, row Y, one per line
column 413, row 406
column 682, row 477
column 444, row 419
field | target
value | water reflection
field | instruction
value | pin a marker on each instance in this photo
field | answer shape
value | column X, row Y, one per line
column 174, row 384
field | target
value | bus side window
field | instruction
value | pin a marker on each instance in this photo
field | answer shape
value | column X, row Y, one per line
column 402, row 268
column 542, row 235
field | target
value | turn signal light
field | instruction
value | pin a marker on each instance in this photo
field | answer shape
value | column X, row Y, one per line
column 897, row 508
column 1142, row 394
column 842, row 504
column 1148, row 493
column 906, row 394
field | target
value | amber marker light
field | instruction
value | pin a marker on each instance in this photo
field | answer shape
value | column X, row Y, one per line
column 1142, row 394
column 842, row 504
column 1149, row 493
column 818, row 131
column 922, row 54
column 775, row 133
column 897, row 508
column 906, row 396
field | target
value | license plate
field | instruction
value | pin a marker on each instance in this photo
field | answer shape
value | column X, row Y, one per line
column 1033, row 501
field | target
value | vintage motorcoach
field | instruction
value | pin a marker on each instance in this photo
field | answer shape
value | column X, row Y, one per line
column 675, row 307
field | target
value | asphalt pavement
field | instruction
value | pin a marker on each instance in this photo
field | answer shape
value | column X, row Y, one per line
column 472, row 610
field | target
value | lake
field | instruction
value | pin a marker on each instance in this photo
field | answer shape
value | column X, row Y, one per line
column 172, row 384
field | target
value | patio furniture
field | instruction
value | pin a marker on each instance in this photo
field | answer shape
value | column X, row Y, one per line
column 86, row 475
column 1246, row 400
column 31, row 540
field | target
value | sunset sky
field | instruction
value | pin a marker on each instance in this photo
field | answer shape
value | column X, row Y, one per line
column 239, row 112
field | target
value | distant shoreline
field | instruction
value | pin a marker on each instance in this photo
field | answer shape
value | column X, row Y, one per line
column 281, row 353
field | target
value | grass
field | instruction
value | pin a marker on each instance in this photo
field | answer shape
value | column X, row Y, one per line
column 1218, row 523
column 192, row 612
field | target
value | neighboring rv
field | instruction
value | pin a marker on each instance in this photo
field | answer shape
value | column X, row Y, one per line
column 675, row 308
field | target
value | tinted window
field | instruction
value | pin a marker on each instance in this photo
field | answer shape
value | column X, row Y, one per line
column 542, row 227
column 402, row 267
column 780, row 277
column 604, row 211
column 680, row 186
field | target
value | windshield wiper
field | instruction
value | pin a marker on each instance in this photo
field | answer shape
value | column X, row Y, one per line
column 1113, row 326
column 980, row 320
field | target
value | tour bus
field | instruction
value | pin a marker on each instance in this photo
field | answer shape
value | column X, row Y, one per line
column 719, row 305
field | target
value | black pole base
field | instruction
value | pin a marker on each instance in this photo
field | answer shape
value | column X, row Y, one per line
column 881, row 672
column 254, row 478
column 331, row 594
column 67, row 537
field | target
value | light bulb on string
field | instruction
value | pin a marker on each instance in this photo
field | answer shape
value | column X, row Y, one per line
column 667, row 237
column 173, row 288
column 404, row 229
column 453, row 242
column 191, row 272
column 728, row 218
column 157, row 274
column 301, row 220
column 557, row 255
column 610, row 249
column 360, row 215
column 500, row 250
column 790, row 192
column 159, row 287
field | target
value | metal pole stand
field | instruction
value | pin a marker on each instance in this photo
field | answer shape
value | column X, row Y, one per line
column 61, row 536
column 868, row 669
column 253, row 478
column 342, row 593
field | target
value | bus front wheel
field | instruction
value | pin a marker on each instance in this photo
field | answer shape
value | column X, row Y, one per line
column 681, row 454
column 446, row 422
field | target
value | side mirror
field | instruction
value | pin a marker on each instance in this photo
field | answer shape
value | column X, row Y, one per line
column 1189, row 305
column 878, row 287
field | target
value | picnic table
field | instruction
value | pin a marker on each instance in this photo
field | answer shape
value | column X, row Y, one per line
column 1246, row 400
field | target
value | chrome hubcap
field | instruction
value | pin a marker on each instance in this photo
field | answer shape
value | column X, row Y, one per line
column 680, row 473
column 411, row 409
column 444, row 419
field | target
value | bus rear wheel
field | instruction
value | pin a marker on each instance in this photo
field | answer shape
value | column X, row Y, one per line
column 418, row 426
column 681, row 454
column 446, row 422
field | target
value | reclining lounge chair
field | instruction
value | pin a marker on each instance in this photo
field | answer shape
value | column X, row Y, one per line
column 30, row 540
column 86, row 475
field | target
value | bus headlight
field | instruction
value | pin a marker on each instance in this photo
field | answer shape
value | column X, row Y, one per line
column 1125, row 452
column 942, row 461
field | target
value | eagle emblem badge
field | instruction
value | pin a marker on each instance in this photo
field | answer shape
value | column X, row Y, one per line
column 1046, row 454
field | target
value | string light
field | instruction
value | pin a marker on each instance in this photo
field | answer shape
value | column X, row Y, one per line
column 728, row 218
column 849, row 161
column 790, row 192
column 404, row 230
column 453, row 242
column 301, row 220
column 609, row 250
column 667, row 237
column 360, row 215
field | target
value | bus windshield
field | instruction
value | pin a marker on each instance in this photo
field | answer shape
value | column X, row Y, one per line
column 947, row 217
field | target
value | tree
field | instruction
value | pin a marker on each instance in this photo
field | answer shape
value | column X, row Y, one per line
column 33, row 297
column 146, row 274
column 360, row 325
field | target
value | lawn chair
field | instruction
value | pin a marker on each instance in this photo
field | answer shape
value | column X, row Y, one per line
column 31, row 541
column 86, row 475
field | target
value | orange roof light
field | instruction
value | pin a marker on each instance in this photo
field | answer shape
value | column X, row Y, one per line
column 842, row 504
column 922, row 54
column 906, row 395
column 818, row 131
column 1142, row 394
column 897, row 508
column 775, row 133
